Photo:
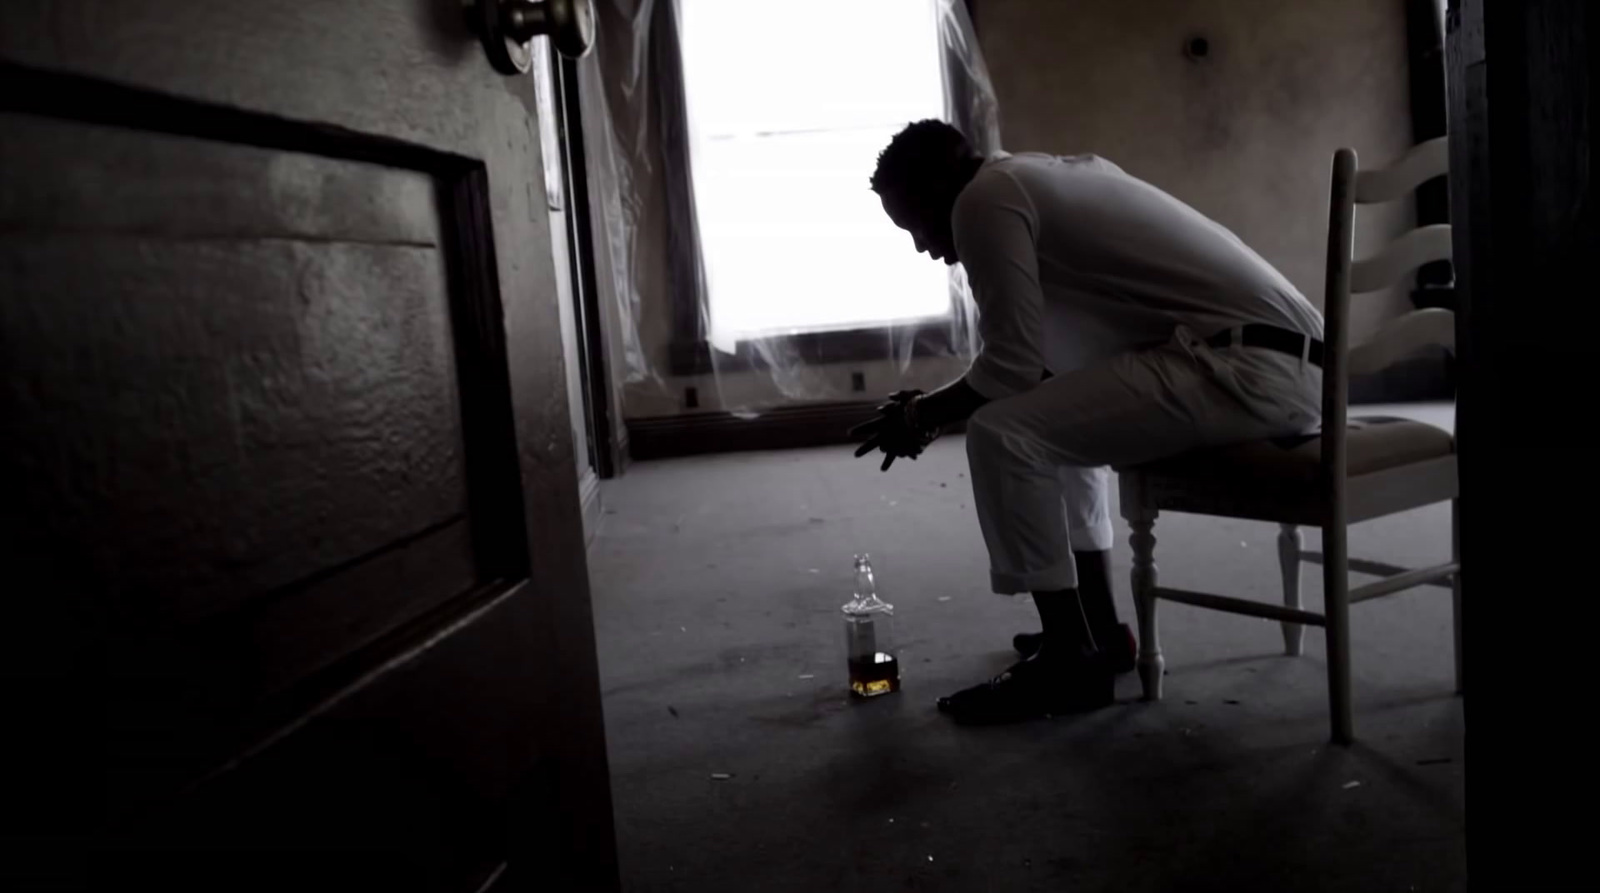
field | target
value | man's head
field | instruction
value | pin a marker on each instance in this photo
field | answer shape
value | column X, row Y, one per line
column 919, row 175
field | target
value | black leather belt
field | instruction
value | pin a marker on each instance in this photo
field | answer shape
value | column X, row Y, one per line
column 1270, row 337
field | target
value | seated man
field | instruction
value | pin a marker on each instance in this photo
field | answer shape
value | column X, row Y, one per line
column 1119, row 326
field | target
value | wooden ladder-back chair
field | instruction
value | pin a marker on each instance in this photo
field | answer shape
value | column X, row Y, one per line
column 1356, row 470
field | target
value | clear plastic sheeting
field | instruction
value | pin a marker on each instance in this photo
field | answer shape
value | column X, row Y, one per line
column 738, row 243
column 621, row 163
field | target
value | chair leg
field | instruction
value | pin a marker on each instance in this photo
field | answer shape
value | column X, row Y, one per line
column 1336, row 588
column 1290, row 545
column 1151, row 664
column 1455, row 596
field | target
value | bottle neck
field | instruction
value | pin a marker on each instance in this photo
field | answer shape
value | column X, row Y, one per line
column 865, row 598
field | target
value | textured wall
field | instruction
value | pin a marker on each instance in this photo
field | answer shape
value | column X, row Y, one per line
column 1246, row 134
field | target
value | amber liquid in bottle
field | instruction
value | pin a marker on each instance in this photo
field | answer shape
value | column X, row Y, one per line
column 873, row 676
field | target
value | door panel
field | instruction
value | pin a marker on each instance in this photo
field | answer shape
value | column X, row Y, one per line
column 400, row 784
column 291, row 515
column 139, row 183
column 260, row 377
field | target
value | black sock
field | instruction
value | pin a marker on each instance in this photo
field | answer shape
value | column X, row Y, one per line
column 1094, row 593
column 1065, row 624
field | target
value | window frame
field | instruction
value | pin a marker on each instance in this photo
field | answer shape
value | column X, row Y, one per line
column 689, row 350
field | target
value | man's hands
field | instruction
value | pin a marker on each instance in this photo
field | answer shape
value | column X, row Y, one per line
column 895, row 431
column 911, row 420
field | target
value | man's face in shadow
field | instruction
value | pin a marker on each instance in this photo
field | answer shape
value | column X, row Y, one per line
column 926, row 216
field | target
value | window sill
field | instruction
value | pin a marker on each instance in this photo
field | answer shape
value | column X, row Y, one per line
column 929, row 339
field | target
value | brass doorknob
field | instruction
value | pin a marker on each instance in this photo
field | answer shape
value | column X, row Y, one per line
column 507, row 27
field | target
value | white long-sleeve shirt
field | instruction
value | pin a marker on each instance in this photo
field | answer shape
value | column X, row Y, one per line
column 1070, row 259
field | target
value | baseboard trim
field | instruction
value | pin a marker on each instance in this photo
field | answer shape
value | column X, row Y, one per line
column 784, row 427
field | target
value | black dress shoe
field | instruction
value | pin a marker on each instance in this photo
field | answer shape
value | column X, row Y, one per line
column 1034, row 688
column 1120, row 659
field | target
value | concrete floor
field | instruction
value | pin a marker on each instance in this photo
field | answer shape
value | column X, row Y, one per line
column 717, row 583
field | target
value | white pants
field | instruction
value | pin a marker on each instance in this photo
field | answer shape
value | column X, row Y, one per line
column 1041, row 460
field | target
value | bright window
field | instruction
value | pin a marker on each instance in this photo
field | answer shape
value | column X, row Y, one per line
column 789, row 105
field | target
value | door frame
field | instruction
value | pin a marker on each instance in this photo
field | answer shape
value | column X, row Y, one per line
column 605, row 453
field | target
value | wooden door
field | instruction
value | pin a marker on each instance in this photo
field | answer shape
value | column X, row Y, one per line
column 295, row 592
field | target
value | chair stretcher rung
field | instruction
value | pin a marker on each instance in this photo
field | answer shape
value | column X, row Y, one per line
column 1406, row 580
column 1372, row 568
column 1239, row 606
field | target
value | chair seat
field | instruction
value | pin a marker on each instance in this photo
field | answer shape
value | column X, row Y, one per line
column 1373, row 444
column 1279, row 479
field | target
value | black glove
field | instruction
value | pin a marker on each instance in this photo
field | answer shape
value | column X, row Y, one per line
column 893, row 432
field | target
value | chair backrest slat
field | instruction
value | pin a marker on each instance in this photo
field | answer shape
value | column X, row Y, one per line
column 1420, row 246
column 1402, row 338
column 1424, row 162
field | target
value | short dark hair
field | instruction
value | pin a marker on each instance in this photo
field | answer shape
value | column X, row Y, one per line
column 924, row 151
